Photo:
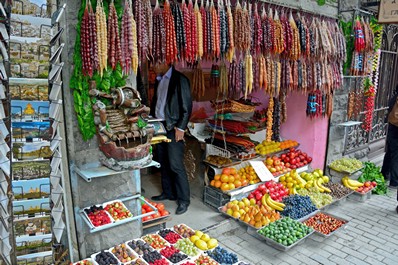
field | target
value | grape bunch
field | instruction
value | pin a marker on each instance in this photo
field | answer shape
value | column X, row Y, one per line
column 222, row 256
column 298, row 206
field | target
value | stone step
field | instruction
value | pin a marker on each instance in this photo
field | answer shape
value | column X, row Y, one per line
column 378, row 160
column 376, row 149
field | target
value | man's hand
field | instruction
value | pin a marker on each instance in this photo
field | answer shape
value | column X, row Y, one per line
column 179, row 134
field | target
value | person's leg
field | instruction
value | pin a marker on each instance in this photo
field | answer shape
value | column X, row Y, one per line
column 176, row 160
column 385, row 170
column 167, row 183
column 393, row 150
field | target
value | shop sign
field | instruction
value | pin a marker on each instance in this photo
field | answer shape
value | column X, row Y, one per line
column 388, row 11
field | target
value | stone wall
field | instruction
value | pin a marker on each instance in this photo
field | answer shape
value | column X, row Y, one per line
column 81, row 153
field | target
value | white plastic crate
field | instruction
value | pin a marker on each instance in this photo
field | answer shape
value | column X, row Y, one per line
column 217, row 151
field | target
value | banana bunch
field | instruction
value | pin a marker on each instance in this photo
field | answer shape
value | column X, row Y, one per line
column 318, row 185
column 267, row 200
column 351, row 183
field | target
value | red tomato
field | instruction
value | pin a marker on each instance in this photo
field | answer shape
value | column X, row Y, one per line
column 156, row 215
column 164, row 213
column 160, row 206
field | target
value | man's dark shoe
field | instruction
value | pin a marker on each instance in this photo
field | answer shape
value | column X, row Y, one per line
column 397, row 209
column 162, row 197
column 182, row 208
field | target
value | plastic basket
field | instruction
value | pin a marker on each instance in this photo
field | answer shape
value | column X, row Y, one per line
column 215, row 198
column 217, row 151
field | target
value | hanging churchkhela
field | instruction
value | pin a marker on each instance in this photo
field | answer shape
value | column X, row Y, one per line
column 114, row 49
column 127, row 39
column 102, row 38
column 159, row 36
column 143, row 17
column 171, row 42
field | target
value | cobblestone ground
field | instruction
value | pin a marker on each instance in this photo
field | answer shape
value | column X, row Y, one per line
column 371, row 237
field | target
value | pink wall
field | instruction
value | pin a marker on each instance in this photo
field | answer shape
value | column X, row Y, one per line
column 310, row 133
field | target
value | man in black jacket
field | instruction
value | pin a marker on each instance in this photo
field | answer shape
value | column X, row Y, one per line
column 172, row 102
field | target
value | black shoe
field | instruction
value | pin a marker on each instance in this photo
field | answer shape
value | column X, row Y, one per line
column 397, row 209
column 182, row 208
column 163, row 197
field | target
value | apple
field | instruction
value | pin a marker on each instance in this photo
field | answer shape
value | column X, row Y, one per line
column 283, row 156
column 251, row 196
column 374, row 184
column 259, row 196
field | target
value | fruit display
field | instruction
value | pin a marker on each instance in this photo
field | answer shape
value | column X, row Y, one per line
column 123, row 253
column 252, row 214
column 161, row 261
column 315, row 179
column 295, row 158
column 173, row 254
column 138, row 262
column 223, row 256
column 105, row 258
column 338, row 191
column 285, row 231
column 203, row 241
column 170, row 236
column 276, row 190
column 97, row 215
column 367, row 186
column 348, row 165
column 145, row 208
column 324, row 223
column 298, row 206
column 84, row 262
column 267, row 200
column 118, row 211
column 351, row 183
column 269, row 147
column 276, row 166
column 319, row 199
column 218, row 160
column 155, row 241
column 185, row 245
column 205, row 260
column 184, row 230
column 152, row 256
column 292, row 181
column 230, row 178
column 140, row 247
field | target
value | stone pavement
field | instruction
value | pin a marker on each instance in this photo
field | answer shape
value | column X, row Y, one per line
column 371, row 237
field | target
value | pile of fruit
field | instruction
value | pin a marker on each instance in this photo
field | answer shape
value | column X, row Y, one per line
column 123, row 253
column 324, row 223
column 140, row 247
column 348, row 165
column 316, row 179
column 222, row 256
column 285, row 231
column 97, row 215
column 319, row 199
column 118, row 211
column 358, row 186
column 145, row 208
column 152, row 256
column 295, row 158
column 298, row 206
column 338, row 191
column 205, row 260
column 203, row 241
column 155, row 241
column 105, row 258
column 276, row 190
column 138, row 262
column 184, row 230
column 173, row 254
column 218, row 160
column 186, row 246
column 230, row 178
column 276, row 166
column 269, row 147
column 170, row 236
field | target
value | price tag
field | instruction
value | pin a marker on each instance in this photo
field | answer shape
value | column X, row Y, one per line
column 262, row 171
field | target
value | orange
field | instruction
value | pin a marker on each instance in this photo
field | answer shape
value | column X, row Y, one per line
column 238, row 183
column 245, row 182
column 233, row 171
column 217, row 184
column 225, row 186
column 217, row 177
column 231, row 179
column 226, row 171
column 224, row 178
column 232, row 186
column 212, row 183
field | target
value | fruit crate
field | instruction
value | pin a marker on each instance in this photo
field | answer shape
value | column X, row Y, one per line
column 361, row 197
column 88, row 219
column 214, row 197
column 86, row 260
column 130, row 251
column 281, row 247
column 332, row 233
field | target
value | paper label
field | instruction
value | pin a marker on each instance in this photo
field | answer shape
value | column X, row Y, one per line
column 262, row 171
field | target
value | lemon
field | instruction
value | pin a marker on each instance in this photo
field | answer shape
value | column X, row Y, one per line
column 205, row 237
column 199, row 233
column 212, row 243
column 325, row 179
column 201, row 244
column 194, row 238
